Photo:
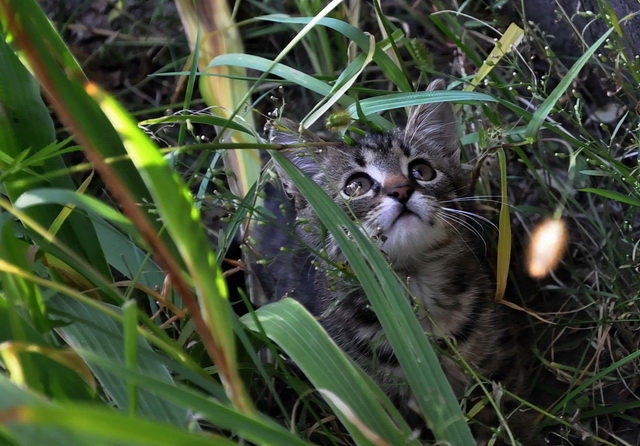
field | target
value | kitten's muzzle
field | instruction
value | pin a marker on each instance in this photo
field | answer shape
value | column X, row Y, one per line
column 400, row 193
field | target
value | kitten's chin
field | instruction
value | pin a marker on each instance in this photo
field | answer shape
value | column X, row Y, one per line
column 410, row 238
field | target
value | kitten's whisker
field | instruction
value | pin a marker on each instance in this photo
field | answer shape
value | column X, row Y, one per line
column 467, row 199
column 468, row 227
column 444, row 218
column 475, row 198
column 461, row 217
column 471, row 215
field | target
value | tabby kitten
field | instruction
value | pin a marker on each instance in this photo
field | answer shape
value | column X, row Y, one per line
column 408, row 191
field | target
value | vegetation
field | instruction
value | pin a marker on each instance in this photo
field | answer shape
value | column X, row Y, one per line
column 126, row 320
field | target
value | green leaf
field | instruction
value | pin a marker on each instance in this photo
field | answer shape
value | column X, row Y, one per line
column 342, row 85
column 183, row 223
column 353, row 34
column 387, row 297
column 257, row 429
column 92, row 330
column 297, row 332
column 39, row 197
column 29, row 434
column 106, row 426
column 510, row 39
column 613, row 195
column 504, row 231
column 198, row 119
column 545, row 108
column 288, row 73
column 399, row 100
column 25, row 124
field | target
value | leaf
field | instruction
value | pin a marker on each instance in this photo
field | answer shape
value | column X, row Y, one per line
column 613, row 195
column 353, row 34
column 25, row 123
column 92, row 330
column 198, row 119
column 399, row 100
column 387, row 297
column 290, row 74
column 545, row 108
column 341, row 86
column 211, row 31
column 28, row 434
column 289, row 325
column 260, row 430
column 504, row 232
column 509, row 40
column 212, row 312
column 103, row 425
column 38, row 197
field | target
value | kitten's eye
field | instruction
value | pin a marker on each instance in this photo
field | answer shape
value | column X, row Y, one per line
column 357, row 185
column 420, row 170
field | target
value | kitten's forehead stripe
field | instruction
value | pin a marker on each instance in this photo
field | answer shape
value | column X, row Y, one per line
column 405, row 149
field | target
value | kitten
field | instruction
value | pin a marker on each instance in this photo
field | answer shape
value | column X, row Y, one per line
column 408, row 191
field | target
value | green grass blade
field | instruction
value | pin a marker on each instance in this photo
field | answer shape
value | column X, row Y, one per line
column 341, row 86
column 182, row 219
column 40, row 197
column 92, row 330
column 504, row 229
column 105, row 426
column 545, row 108
column 399, row 100
column 511, row 39
column 386, row 295
column 257, row 429
column 26, row 128
column 290, row 74
column 613, row 195
column 589, row 381
column 297, row 332
column 211, row 31
column 13, row 396
column 389, row 68
column 198, row 119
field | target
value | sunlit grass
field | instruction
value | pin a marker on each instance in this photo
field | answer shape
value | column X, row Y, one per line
column 98, row 319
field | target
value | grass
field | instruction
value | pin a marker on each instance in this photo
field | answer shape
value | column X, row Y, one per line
column 112, row 296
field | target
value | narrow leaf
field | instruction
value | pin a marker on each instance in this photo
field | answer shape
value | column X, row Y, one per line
column 543, row 111
column 399, row 100
column 504, row 231
column 297, row 332
column 509, row 40
column 613, row 195
column 198, row 119
column 386, row 295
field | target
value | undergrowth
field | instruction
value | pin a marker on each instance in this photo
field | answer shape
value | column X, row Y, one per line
column 125, row 307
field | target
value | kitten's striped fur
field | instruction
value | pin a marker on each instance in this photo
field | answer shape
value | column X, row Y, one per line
column 427, row 233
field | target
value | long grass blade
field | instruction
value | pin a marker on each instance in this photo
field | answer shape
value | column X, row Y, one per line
column 400, row 100
column 183, row 223
column 386, row 295
column 211, row 31
column 509, row 41
column 289, row 325
column 545, row 108
column 353, row 34
column 341, row 86
column 504, row 229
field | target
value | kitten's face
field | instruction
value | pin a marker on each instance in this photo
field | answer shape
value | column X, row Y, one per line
column 395, row 188
column 395, row 184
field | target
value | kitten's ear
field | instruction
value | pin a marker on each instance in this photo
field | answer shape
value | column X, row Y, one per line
column 435, row 125
column 285, row 131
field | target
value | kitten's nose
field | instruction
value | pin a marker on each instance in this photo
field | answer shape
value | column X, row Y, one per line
column 401, row 193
